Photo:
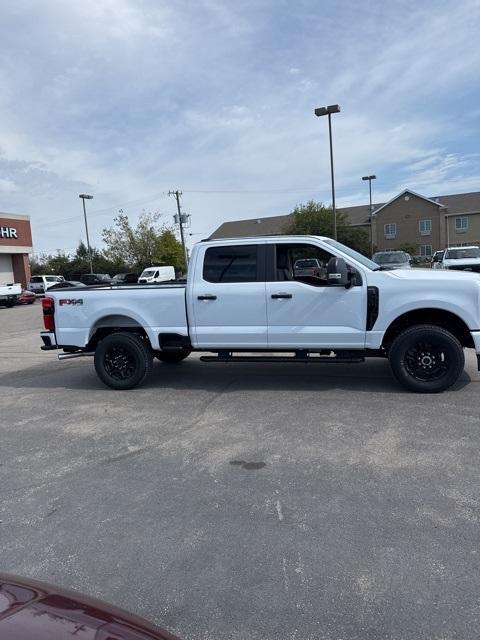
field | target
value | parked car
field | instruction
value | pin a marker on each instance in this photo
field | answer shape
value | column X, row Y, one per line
column 26, row 297
column 9, row 294
column 125, row 278
column 157, row 274
column 95, row 279
column 34, row 610
column 241, row 296
column 40, row 284
column 67, row 284
column 308, row 267
column 461, row 259
column 437, row 259
column 392, row 259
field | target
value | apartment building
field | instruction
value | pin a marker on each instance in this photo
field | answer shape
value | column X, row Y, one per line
column 429, row 223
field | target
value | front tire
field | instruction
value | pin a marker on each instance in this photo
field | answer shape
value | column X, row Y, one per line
column 426, row 359
column 123, row 360
column 172, row 357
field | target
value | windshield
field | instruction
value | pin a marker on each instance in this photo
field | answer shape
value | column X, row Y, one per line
column 391, row 257
column 36, row 279
column 148, row 273
column 366, row 262
column 460, row 254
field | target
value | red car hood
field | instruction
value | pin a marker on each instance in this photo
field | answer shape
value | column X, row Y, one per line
column 31, row 610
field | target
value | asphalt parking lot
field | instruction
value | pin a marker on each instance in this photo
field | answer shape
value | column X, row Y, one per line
column 240, row 501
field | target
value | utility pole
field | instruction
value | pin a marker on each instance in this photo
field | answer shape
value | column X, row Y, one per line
column 370, row 178
column 177, row 195
column 84, row 197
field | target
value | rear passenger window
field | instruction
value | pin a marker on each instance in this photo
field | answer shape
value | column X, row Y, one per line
column 231, row 264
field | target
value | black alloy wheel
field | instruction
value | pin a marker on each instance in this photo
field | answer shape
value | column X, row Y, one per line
column 426, row 358
column 123, row 360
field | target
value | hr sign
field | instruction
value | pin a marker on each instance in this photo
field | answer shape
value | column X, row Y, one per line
column 8, row 232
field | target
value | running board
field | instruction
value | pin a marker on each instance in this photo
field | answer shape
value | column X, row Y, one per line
column 315, row 359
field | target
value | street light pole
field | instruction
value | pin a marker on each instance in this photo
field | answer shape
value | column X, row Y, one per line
column 84, row 197
column 370, row 178
column 327, row 111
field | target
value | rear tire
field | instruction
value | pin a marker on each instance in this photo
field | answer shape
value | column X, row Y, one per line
column 123, row 360
column 172, row 357
column 426, row 359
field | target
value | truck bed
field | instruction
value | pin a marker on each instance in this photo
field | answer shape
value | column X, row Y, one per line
column 157, row 308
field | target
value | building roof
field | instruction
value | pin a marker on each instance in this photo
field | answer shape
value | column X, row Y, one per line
column 461, row 202
column 436, row 202
column 357, row 215
column 269, row 226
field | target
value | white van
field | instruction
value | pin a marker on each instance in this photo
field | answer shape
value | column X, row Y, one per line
column 156, row 274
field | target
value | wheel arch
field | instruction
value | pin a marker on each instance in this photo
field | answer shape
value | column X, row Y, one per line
column 431, row 316
column 114, row 323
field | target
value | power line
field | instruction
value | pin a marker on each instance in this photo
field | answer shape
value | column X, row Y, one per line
column 146, row 199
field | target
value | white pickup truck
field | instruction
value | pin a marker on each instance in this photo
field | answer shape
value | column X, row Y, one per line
column 9, row 293
column 243, row 301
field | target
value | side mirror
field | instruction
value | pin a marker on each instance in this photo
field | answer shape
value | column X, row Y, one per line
column 337, row 273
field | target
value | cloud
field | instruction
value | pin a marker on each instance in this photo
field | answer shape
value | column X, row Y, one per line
column 130, row 98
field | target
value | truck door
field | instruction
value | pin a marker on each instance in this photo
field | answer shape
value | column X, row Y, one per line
column 303, row 310
column 227, row 305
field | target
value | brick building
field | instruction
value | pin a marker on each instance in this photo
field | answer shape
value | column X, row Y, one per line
column 15, row 245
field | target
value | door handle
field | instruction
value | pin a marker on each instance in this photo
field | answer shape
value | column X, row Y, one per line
column 277, row 296
column 208, row 296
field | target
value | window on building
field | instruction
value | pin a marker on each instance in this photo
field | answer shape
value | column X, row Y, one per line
column 231, row 264
column 425, row 227
column 461, row 224
column 425, row 250
column 390, row 230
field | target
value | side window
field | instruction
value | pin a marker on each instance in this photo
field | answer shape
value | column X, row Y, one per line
column 305, row 263
column 156, row 274
column 231, row 264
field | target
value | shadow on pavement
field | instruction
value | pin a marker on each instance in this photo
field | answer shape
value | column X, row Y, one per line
column 373, row 376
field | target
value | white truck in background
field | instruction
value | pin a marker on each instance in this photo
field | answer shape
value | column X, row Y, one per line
column 9, row 293
column 244, row 302
column 458, row 259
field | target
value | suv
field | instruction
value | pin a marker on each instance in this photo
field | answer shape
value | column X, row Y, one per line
column 95, row 279
column 308, row 267
column 392, row 259
column 39, row 284
column 125, row 278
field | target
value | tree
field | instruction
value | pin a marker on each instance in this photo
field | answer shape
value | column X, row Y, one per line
column 314, row 218
column 144, row 245
column 410, row 248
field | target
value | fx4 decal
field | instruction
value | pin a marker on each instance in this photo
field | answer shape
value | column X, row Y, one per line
column 72, row 301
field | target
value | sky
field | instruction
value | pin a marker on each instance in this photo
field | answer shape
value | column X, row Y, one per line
column 128, row 99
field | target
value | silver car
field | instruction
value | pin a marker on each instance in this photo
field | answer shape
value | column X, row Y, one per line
column 392, row 259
